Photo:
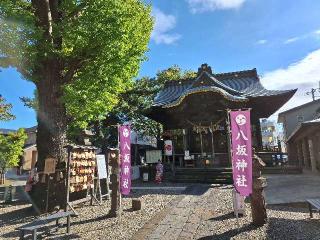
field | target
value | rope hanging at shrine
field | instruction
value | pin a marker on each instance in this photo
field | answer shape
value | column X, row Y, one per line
column 212, row 128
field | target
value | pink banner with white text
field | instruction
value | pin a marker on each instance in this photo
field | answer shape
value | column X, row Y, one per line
column 125, row 157
column 241, row 151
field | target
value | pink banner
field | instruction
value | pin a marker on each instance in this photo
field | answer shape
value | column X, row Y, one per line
column 125, row 156
column 241, row 151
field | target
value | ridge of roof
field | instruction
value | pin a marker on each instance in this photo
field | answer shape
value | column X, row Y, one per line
column 301, row 125
column 242, row 73
column 223, row 75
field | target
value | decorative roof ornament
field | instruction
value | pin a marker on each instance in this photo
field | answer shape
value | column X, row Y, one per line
column 204, row 68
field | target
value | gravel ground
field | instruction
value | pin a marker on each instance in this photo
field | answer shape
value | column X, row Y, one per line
column 284, row 222
column 91, row 222
column 212, row 206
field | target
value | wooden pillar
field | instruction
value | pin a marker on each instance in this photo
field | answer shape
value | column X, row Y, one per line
column 212, row 145
column 317, row 150
column 305, row 153
column 293, row 154
column 184, row 133
column 312, row 155
column 299, row 153
column 258, row 133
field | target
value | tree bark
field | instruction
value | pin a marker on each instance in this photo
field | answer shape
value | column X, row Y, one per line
column 51, row 137
column 52, row 118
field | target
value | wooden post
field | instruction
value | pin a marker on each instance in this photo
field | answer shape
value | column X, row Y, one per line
column 212, row 145
column 108, row 175
column 173, row 159
column 114, row 162
column 68, row 179
column 229, row 136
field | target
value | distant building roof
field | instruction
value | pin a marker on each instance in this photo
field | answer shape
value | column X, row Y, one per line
column 315, row 122
column 6, row 131
column 281, row 115
column 31, row 129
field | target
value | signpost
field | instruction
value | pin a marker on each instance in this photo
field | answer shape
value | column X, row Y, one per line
column 49, row 168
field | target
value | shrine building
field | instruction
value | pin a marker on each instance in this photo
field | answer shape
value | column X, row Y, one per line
column 194, row 113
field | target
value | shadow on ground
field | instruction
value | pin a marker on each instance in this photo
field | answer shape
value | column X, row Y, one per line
column 17, row 216
column 276, row 228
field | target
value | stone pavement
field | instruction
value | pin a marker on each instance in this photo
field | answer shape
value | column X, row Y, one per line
column 292, row 188
column 182, row 218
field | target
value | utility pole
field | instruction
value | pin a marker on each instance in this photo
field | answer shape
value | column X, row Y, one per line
column 313, row 91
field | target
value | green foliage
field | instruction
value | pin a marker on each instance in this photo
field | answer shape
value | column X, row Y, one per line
column 173, row 73
column 98, row 44
column 134, row 103
column 11, row 148
column 5, row 109
column 31, row 102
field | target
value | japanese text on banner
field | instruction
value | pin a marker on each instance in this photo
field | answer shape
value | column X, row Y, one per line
column 241, row 151
column 125, row 156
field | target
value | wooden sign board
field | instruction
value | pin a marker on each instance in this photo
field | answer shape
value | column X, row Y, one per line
column 50, row 166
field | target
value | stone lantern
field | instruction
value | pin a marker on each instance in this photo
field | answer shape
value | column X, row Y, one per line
column 258, row 206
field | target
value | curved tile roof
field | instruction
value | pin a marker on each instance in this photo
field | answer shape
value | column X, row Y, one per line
column 236, row 85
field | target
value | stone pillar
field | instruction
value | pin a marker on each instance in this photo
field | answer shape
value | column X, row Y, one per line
column 312, row 154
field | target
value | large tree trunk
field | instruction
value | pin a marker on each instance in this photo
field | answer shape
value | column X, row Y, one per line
column 51, row 138
column 52, row 120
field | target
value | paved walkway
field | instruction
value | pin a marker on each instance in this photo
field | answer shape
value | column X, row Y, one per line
column 292, row 188
column 182, row 219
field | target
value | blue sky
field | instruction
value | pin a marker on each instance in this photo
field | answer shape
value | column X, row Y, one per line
column 279, row 38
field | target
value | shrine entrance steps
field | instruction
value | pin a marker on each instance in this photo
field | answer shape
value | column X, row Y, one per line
column 203, row 175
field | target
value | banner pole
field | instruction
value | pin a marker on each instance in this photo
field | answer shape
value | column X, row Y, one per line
column 120, row 195
column 230, row 159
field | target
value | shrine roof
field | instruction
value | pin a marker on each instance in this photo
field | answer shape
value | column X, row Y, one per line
column 235, row 86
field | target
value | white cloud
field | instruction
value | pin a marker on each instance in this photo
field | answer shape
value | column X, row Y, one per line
column 197, row 6
column 291, row 40
column 163, row 25
column 262, row 41
column 303, row 75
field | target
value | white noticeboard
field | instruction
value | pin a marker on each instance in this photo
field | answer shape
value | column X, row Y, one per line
column 153, row 156
column 101, row 166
